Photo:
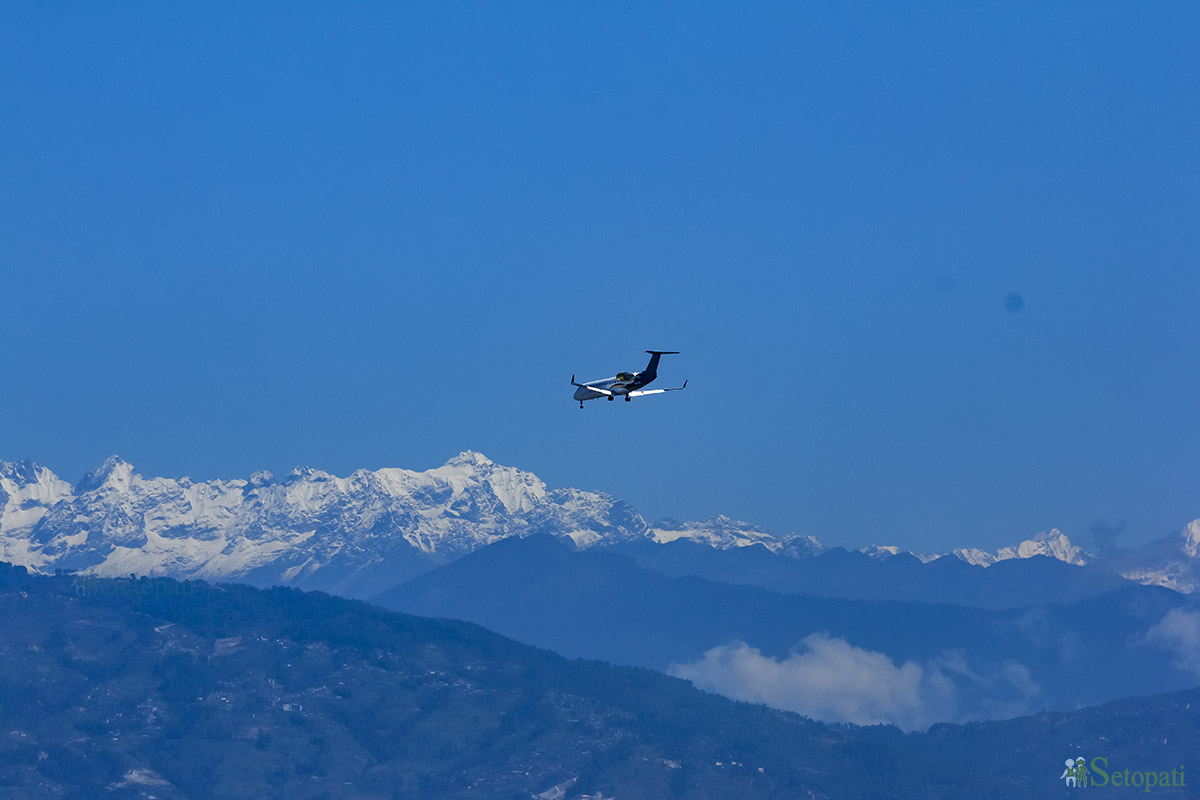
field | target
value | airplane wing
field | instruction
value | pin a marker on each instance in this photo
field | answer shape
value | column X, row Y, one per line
column 590, row 388
column 654, row 391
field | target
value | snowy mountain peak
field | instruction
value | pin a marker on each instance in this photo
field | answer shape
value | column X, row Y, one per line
column 262, row 478
column 470, row 458
column 880, row 551
column 1171, row 562
column 27, row 491
column 718, row 531
column 1191, row 539
column 1053, row 543
column 115, row 473
column 20, row 473
column 302, row 474
column 798, row 545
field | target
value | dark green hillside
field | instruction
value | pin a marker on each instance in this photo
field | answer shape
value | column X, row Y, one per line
column 1142, row 734
column 151, row 687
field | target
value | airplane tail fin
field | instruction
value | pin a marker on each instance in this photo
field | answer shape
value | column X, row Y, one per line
column 652, row 367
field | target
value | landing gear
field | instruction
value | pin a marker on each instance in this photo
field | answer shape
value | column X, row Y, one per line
column 627, row 398
column 610, row 398
column 581, row 405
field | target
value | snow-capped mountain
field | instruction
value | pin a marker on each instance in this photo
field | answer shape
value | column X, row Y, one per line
column 351, row 535
column 364, row 533
column 1051, row 543
column 882, row 551
column 725, row 533
column 719, row 531
column 27, row 491
column 1170, row 562
column 1191, row 539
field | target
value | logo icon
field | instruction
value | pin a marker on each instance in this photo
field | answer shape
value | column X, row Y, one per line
column 1096, row 773
column 1076, row 773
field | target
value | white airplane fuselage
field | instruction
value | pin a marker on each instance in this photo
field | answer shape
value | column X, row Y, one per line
column 614, row 384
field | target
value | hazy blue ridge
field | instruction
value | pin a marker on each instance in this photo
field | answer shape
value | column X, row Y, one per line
column 838, row 572
column 606, row 606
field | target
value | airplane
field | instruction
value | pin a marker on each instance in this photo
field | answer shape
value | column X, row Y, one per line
column 627, row 384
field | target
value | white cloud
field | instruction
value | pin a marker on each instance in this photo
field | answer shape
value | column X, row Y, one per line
column 1179, row 632
column 830, row 679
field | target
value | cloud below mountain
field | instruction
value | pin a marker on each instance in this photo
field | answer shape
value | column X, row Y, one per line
column 1179, row 632
column 829, row 679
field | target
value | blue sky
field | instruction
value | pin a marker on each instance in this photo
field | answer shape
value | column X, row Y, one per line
column 237, row 237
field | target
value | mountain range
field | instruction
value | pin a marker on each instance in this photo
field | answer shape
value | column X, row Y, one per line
column 962, row 636
column 907, row 663
column 362, row 534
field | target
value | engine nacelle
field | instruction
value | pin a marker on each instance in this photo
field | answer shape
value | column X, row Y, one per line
column 624, row 377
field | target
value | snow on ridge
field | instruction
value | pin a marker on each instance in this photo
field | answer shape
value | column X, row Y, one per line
column 884, row 551
column 1053, row 543
column 469, row 458
column 115, row 473
column 880, row 551
column 1191, row 539
column 799, row 545
column 726, row 533
column 975, row 556
column 117, row 522
column 1171, row 564
column 1174, row 576
column 718, row 531
column 26, row 491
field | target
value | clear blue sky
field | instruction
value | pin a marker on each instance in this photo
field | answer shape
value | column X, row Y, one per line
column 244, row 236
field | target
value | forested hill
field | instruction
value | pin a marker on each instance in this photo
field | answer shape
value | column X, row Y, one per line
column 139, row 688
column 118, row 688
